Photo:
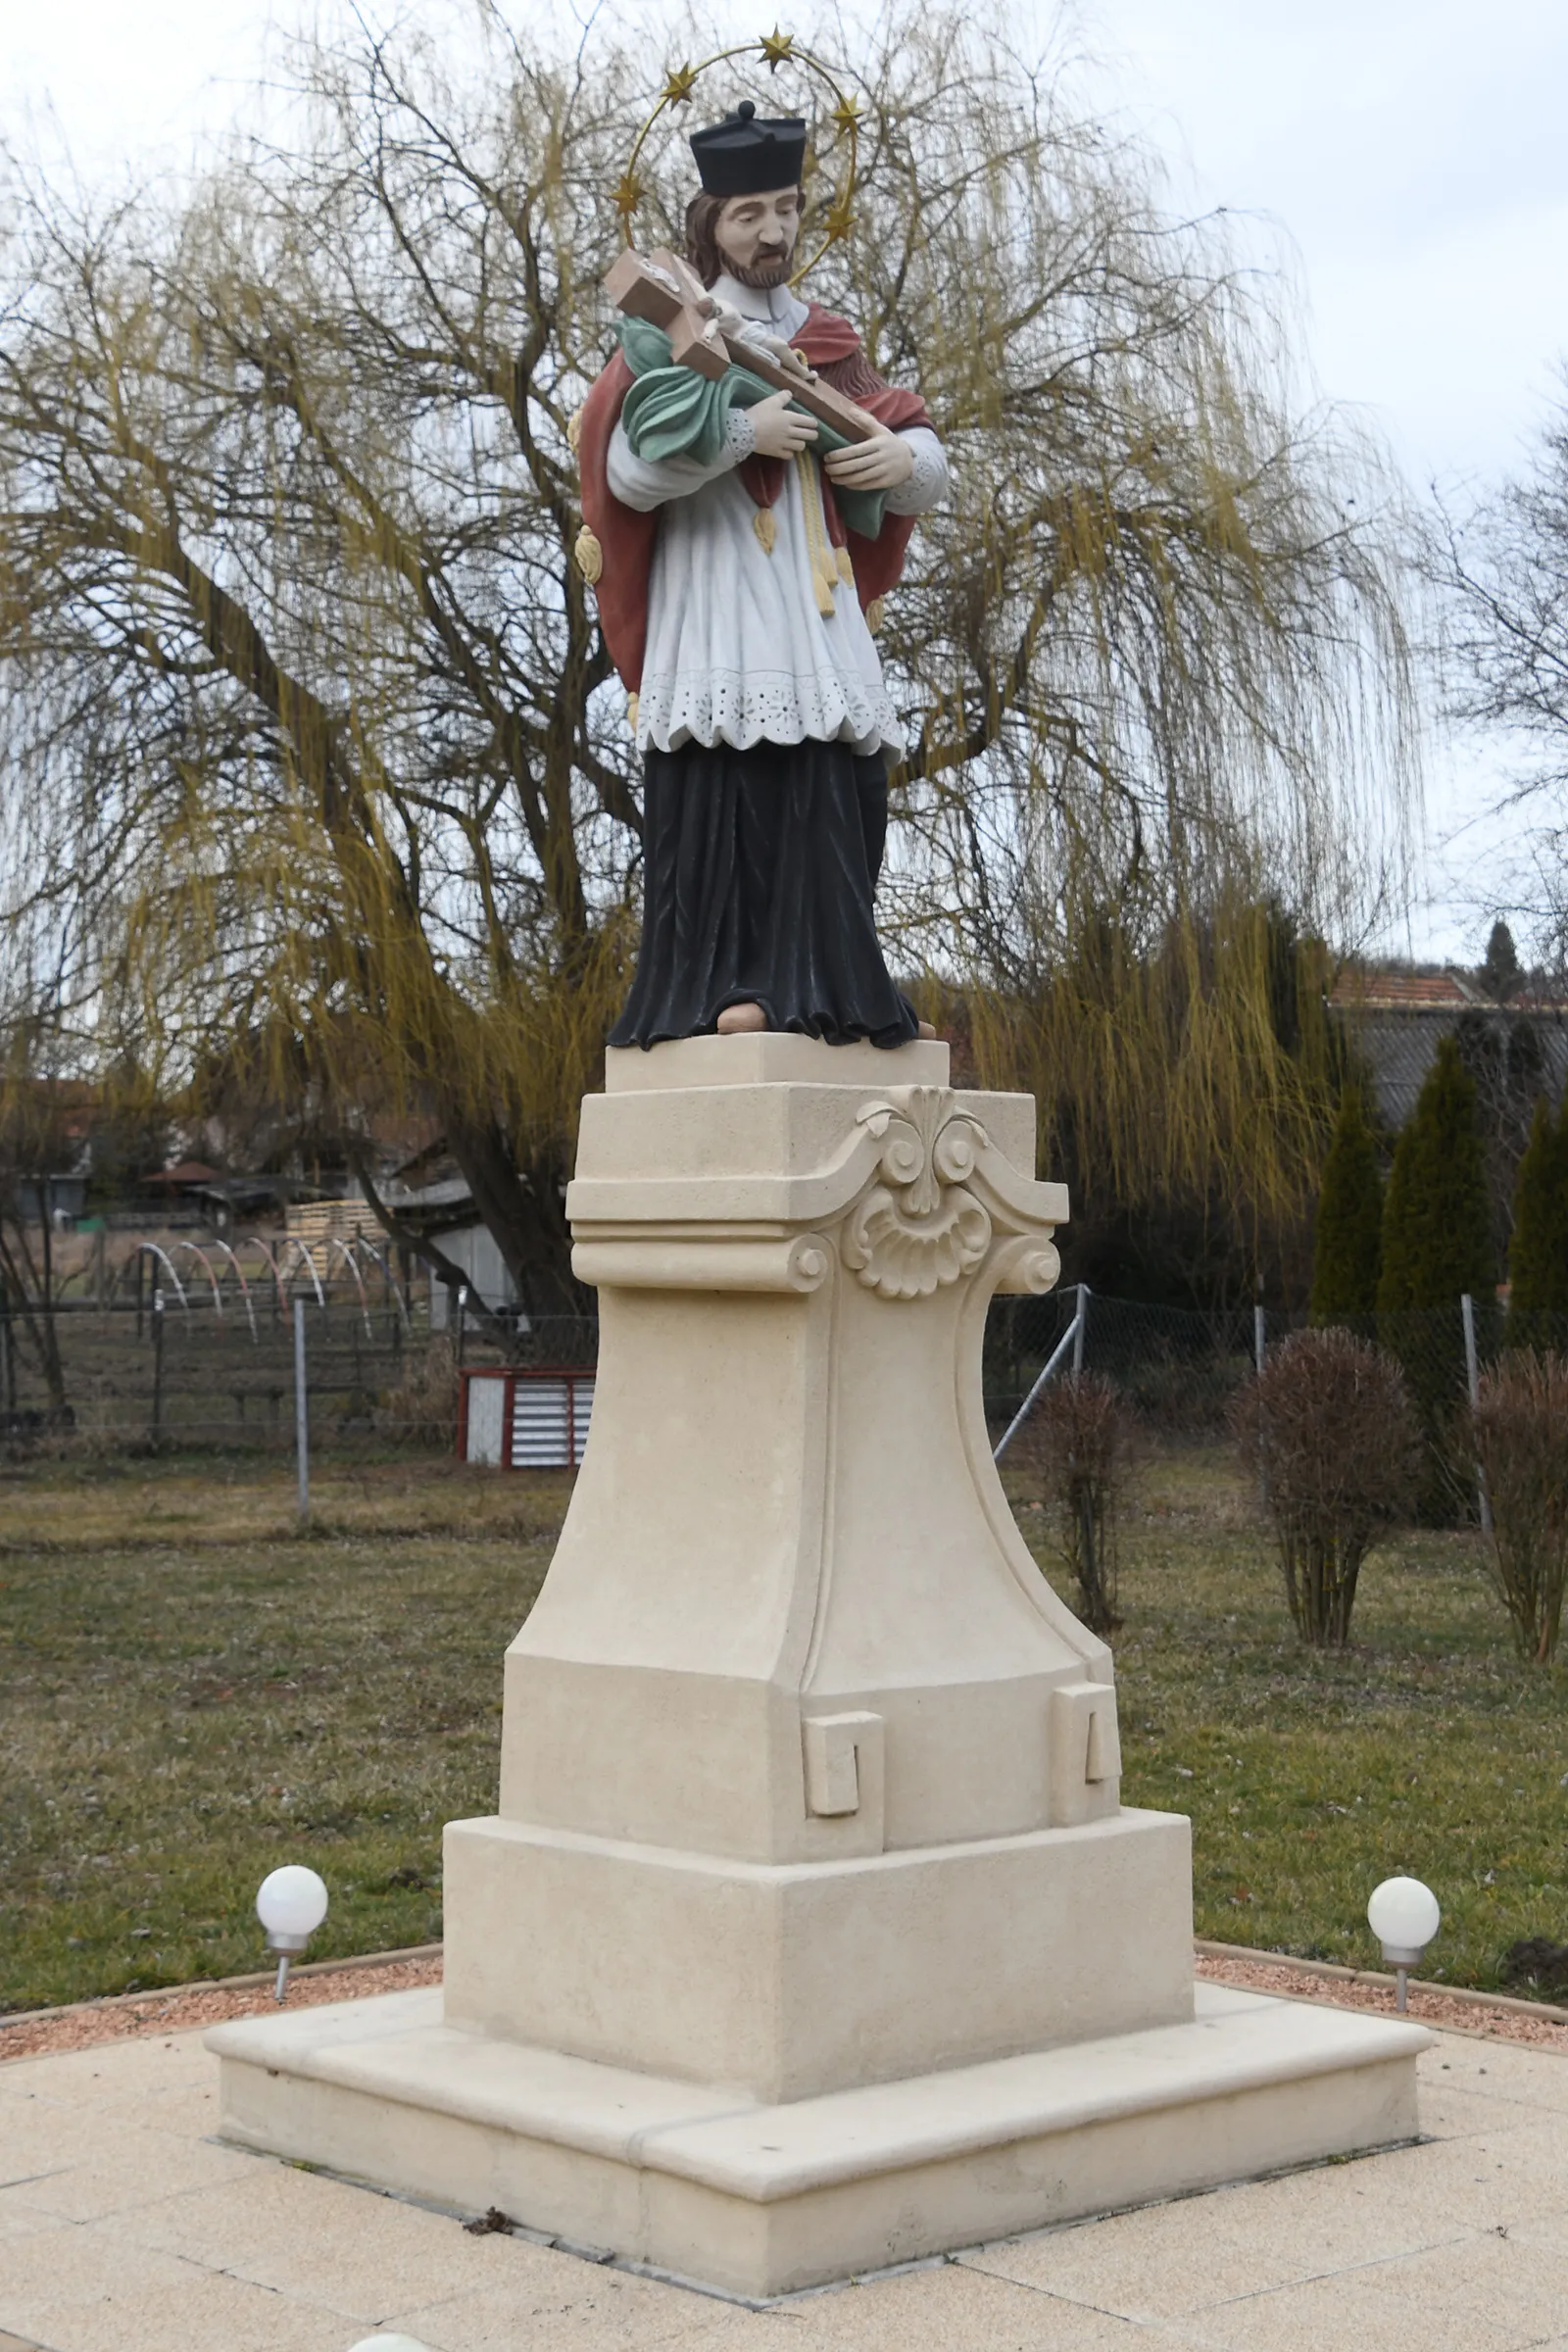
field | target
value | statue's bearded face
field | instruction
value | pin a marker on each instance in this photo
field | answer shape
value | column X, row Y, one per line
column 756, row 236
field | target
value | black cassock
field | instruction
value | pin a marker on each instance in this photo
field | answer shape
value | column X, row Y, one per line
column 759, row 876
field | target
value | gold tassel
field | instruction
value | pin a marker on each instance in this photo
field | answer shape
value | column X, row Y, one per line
column 764, row 523
column 574, row 431
column 846, row 568
column 590, row 555
column 875, row 611
column 633, row 703
column 824, row 572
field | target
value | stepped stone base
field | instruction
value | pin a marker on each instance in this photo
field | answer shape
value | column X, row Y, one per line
column 759, row 2200
column 809, row 1934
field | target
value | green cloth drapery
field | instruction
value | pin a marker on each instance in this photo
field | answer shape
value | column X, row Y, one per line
column 672, row 411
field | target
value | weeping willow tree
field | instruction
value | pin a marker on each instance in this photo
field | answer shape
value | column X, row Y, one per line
column 302, row 683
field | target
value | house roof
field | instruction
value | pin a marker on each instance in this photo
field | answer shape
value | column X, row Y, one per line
column 1396, row 1035
column 184, row 1171
column 1405, row 992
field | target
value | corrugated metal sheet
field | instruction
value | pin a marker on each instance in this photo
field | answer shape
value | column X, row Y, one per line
column 549, row 1415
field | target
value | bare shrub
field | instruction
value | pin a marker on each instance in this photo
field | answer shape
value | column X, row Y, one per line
column 1076, row 1452
column 1329, row 1427
column 423, row 1411
column 1516, row 1439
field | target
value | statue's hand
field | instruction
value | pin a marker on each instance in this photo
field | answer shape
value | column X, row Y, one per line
column 880, row 464
column 779, row 431
column 784, row 355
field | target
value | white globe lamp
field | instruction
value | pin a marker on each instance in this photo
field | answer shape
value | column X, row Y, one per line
column 1403, row 1916
column 291, row 1904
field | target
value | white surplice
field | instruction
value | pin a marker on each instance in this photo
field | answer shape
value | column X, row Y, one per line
column 738, row 649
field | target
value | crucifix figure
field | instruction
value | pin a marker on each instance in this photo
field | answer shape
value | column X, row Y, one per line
column 739, row 545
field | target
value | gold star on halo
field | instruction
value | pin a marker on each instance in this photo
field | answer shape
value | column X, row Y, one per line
column 845, row 115
column 628, row 196
column 678, row 88
column 776, row 46
column 839, row 221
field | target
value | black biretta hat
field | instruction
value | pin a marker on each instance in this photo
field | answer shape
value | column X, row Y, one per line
column 750, row 155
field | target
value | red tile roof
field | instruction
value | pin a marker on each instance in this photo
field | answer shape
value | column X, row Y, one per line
column 1390, row 992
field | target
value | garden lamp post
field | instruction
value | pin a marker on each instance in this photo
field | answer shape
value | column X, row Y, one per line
column 1403, row 1916
column 291, row 1904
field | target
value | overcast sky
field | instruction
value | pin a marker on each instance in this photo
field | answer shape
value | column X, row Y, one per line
column 1412, row 151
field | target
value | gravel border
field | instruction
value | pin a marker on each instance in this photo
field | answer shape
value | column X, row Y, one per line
column 1450, row 2008
column 180, row 2009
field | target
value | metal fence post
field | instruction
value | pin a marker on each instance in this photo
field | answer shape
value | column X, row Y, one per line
column 1472, row 1374
column 158, row 1362
column 302, row 1412
column 1259, row 1352
column 1074, row 1338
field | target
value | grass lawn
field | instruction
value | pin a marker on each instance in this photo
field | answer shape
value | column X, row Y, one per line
column 190, row 1694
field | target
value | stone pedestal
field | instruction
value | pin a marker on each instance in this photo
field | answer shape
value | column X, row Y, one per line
column 810, row 1931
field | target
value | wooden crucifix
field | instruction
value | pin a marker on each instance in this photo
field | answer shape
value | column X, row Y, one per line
column 665, row 291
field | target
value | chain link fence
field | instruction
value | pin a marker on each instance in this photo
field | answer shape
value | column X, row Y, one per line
column 170, row 1373
column 219, row 1372
column 1179, row 1368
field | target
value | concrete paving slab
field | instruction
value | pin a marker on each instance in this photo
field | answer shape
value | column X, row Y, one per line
column 142, row 2169
column 53, row 2282
column 979, row 2312
column 202, row 2312
column 39, row 2135
column 106, row 2070
column 124, row 2239
column 1163, row 2265
column 1356, row 2309
column 1513, row 2282
column 1501, row 2069
column 322, row 2242
column 546, row 2299
column 21, row 2219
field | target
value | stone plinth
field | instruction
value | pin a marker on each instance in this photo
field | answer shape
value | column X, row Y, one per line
column 810, row 1851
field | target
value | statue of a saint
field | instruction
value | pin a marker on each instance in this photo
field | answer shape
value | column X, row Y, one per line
column 739, row 557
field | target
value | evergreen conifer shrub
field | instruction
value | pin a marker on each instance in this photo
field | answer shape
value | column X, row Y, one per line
column 1435, row 1223
column 1538, row 1256
column 1436, row 1246
column 1347, row 1246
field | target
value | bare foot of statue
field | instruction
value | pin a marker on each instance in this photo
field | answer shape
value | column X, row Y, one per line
column 740, row 1020
column 926, row 1030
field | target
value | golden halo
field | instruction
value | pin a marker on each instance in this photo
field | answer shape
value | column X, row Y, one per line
column 775, row 49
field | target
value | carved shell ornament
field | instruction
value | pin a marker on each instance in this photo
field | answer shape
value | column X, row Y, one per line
column 920, row 1227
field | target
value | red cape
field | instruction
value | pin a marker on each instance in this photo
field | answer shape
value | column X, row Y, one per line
column 827, row 343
